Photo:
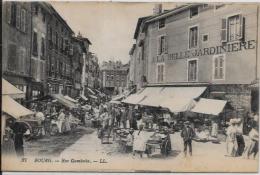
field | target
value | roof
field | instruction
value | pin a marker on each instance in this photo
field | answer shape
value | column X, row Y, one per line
column 11, row 90
column 138, row 25
column 58, row 16
column 14, row 109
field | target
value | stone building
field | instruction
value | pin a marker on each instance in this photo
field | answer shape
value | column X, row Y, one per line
column 114, row 76
column 59, row 55
column 80, row 50
column 211, row 45
column 16, row 44
column 40, row 17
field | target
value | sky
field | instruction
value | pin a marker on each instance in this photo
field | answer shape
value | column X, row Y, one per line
column 109, row 26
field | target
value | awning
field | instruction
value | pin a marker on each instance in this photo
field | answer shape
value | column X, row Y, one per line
column 209, row 106
column 141, row 95
column 91, row 91
column 61, row 99
column 84, row 97
column 118, row 97
column 14, row 109
column 92, row 96
column 115, row 102
column 176, row 99
column 70, row 99
column 11, row 90
column 178, row 104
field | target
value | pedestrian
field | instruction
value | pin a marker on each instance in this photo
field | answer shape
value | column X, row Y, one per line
column 124, row 117
column 19, row 129
column 130, row 116
column 187, row 134
column 61, row 119
column 166, row 142
column 40, row 118
column 239, row 137
column 214, row 130
column 130, row 140
column 231, row 139
column 118, row 116
column 252, row 146
column 67, row 122
column 8, row 147
column 139, row 144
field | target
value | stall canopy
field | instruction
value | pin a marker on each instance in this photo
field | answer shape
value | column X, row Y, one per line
column 61, row 99
column 176, row 99
column 14, row 109
column 91, row 91
column 11, row 90
column 209, row 106
column 70, row 99
column 84, row 97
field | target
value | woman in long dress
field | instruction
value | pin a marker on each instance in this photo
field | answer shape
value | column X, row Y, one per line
column 231, row 139
column 139, row 144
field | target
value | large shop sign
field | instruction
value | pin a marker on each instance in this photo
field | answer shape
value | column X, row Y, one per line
column 230, row 47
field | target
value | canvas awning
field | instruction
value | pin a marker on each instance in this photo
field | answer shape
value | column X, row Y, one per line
column 84, row 97
column 91, row 91
column 61, row 99
column 209, row 106
column 70, row 99
column 92, row 96
column 176, row 99
column 11, row 90
column 14, row 109
column 118, row 97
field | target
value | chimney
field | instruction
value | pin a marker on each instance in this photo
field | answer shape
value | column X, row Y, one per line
column 157, row 9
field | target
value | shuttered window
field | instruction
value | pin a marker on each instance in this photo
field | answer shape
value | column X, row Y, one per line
column 160, row 72
column 35, row 44
column 219, row 67
column 192, row 70
column 162, row 45
column 193, row 37
column 43, row 48
column 8, row 12
column 23, row 20
column 12, row 57
column 13, row 14
column 232, row 28
column 18, row 17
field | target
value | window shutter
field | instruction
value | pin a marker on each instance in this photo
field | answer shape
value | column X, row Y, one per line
column 8, row 12
column 224, row 30
column 241, row 27
column 166, row 44
column 26, row 25
column 18, row 16
column 159, row 46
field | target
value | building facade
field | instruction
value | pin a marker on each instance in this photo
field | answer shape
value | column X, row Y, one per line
column 214, row 45
column 114, row 76
column 59, row 54
column 16, row 44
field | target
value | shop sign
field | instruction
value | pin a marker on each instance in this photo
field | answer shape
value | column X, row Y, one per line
column 215, row 50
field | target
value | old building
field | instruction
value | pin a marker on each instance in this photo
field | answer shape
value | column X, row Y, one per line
column 40, row 17
column 16, row 44
column 80, row 50
column 59, row 55
column 114, row 76
column 213, row 46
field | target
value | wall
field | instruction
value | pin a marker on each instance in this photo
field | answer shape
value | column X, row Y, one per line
column 240, row 66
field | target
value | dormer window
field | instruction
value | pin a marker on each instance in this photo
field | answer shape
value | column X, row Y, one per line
column 194, row 11
column 161, row 23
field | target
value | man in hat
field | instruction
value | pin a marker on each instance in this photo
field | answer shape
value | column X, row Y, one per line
column 231, row 139
column 187, row 134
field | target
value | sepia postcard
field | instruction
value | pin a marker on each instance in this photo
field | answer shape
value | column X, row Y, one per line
column 130, row 86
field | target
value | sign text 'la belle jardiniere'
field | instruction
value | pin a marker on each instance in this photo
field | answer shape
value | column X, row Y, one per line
column 215, row 50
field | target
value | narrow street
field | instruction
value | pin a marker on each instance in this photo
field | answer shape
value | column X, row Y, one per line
column 207, row 157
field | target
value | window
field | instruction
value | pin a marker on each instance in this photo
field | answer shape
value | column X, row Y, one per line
column 23, row 20
column 36, row 10
column 232, row 28
column 160, row 72
column 18, row 17
column 194, row 11
column 56, row 41
column 13, row 14
column 12, row 55
column 193, row 37
column 43, row 48
column 162, row 23
column 35, row 44
column 192, row 69
column 43, row 16
column 22, row 59
column 205, row 37
column 162, row 45
column 219, row 67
